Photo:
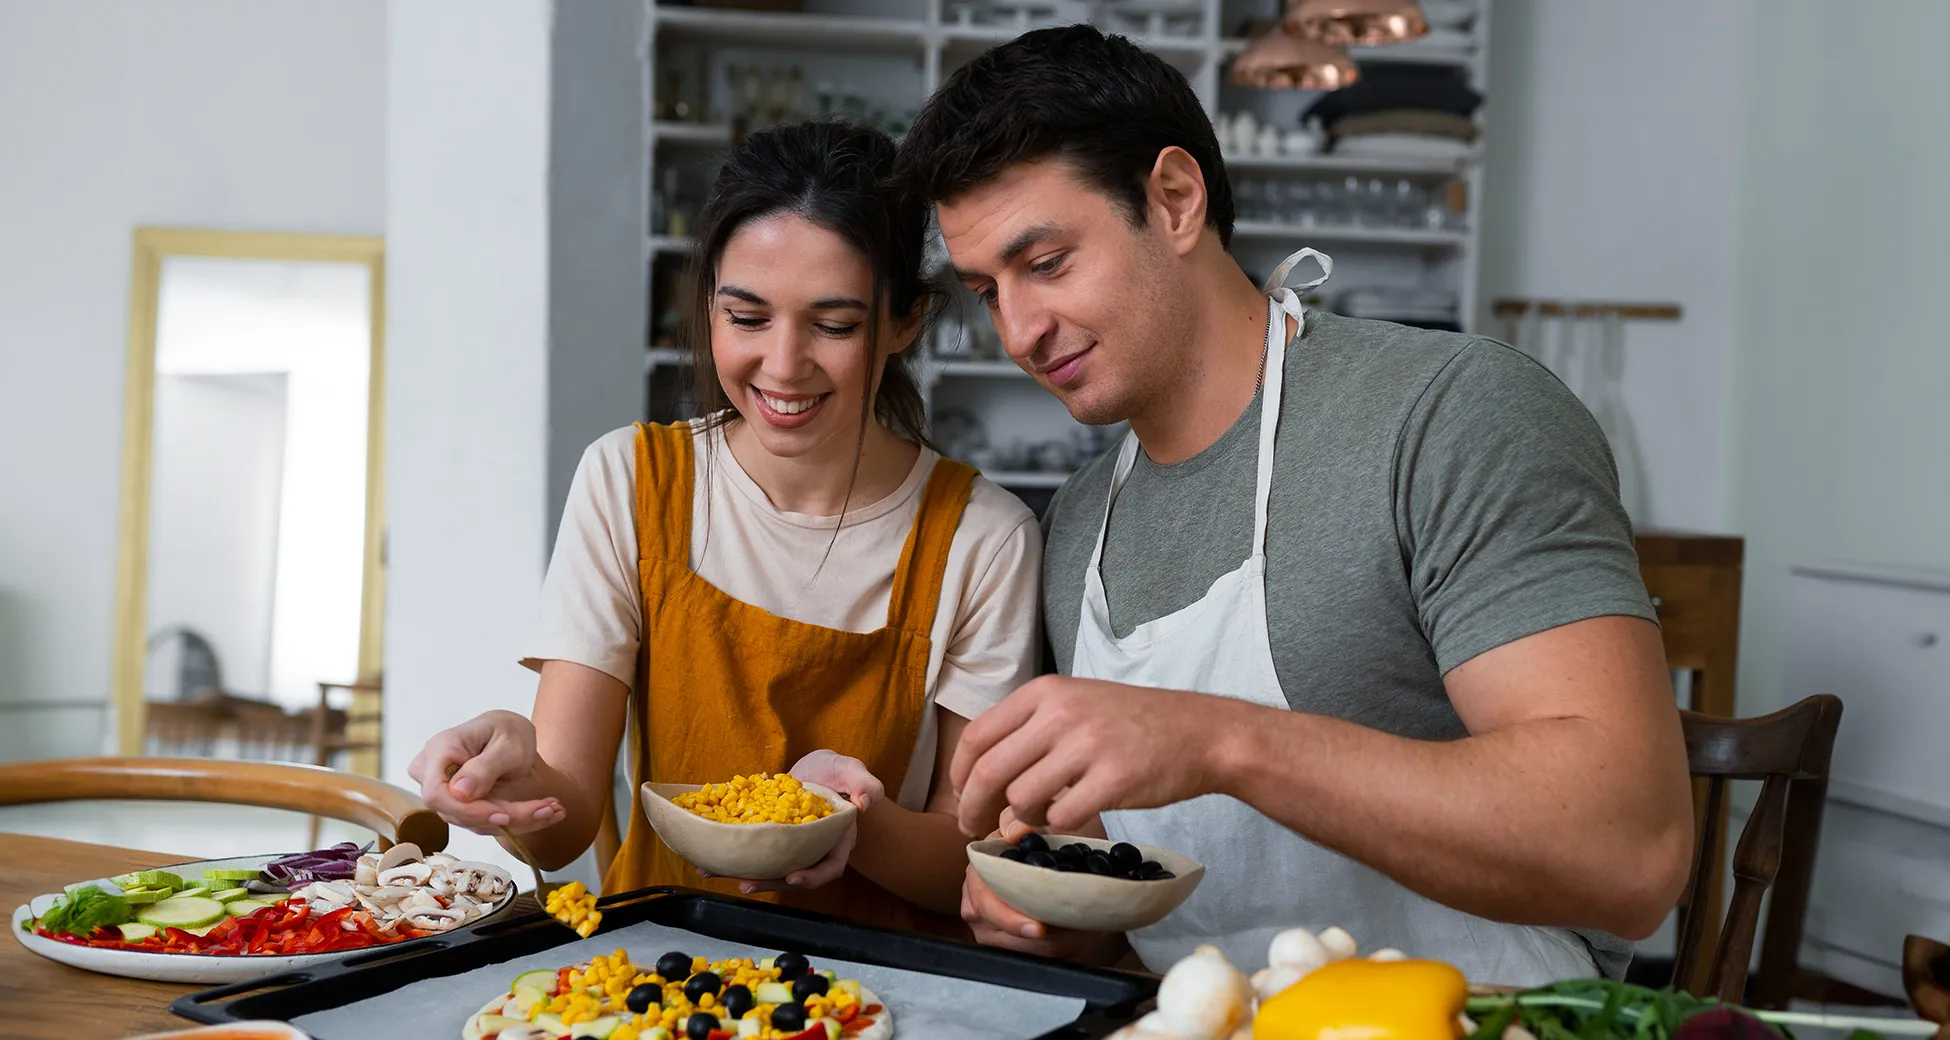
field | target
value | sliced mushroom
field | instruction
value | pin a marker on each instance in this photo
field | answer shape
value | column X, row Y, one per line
column 404, row 852
column 406, row 874
column 366, row 873
column 435, row 920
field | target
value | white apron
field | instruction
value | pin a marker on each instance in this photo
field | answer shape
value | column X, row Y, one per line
column 1260, row 876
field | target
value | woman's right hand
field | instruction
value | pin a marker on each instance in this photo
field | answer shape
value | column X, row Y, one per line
column 480, row 775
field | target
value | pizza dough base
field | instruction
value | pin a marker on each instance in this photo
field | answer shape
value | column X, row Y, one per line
column 882, row 1028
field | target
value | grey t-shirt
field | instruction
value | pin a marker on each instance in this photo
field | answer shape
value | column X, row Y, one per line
column 1435, row 495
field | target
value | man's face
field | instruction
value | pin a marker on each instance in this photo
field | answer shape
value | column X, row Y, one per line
column 1073, row 288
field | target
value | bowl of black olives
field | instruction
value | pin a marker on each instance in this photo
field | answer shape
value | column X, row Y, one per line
column 1089, row 884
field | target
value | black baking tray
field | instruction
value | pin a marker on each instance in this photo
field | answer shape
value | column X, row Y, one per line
column 1111, row 998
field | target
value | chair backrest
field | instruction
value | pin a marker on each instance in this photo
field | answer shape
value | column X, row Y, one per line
column 1788, row 752
column 1926, row 978
column 395, row 814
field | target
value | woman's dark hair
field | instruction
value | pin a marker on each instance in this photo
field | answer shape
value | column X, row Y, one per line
column 837, row 176
column 1100, row 103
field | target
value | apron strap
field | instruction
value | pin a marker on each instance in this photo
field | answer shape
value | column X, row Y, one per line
column 665, row 473
column 924, row 559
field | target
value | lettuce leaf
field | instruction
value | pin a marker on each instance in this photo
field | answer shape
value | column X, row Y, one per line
column 85, row 909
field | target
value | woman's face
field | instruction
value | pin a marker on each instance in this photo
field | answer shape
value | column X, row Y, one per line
column 789, row 333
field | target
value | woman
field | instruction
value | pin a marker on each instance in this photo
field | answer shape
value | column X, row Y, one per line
column 796, row 582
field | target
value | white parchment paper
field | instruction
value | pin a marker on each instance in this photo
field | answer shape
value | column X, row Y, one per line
column 925, row 1007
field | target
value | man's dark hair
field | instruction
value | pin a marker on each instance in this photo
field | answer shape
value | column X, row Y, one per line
column 1100, row 103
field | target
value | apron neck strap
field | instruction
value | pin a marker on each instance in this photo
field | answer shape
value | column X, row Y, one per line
column 1282, row 302
column 924, row 559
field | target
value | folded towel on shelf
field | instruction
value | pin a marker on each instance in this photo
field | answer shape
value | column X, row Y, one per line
column 1393, row 86
column 1405, row 121
column 1423, row 308
column 1404, row 146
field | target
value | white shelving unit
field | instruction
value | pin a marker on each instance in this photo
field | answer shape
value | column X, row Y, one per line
column 898, row 59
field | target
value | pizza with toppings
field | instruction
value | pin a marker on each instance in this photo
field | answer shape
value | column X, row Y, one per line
column 683, row 998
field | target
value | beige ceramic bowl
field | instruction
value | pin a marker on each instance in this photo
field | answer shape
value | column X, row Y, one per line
column 1088, row 902
column 757, row 851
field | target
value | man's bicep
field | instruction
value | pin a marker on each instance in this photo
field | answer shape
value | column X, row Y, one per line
column 1610, row 670
column 1509, row 509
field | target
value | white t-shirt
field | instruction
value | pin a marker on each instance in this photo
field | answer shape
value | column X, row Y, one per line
column 986, row 638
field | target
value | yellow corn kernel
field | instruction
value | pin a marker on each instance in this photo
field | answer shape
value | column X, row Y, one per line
column 758, row 798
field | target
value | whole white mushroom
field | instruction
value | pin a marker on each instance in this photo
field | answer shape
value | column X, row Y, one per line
column 1340, row 945
column 1388, row 953
column 1202, row 997
column 1277, row 978
column 1297, row 948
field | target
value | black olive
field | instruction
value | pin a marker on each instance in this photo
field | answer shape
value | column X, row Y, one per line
column 1033, row 842
column 1012, row 853
column 789, row 1018
column 674, row 966
column 1040, row 859
column 1076, row 848
column 1098, row 863
column 809, row 986
column 701, row 983
column 1126, row 857
column 791, row 966
column 642, row 997
column 701, row 1025
column 736, row 1000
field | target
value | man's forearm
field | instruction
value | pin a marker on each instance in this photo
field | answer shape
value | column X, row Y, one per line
column 1537, row 823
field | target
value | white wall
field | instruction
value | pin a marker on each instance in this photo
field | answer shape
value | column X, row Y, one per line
column 1840, row 428
column 213, row 521
column 245, row 114
column 1605, row 180
column 467, row 362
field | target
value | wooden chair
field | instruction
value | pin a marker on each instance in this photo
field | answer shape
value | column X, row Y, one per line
column 1788, row 752
column 338, row 730
column 395, row 814
column 1926, row 978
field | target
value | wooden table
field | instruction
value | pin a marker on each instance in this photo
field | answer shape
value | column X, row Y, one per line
column 45, row 999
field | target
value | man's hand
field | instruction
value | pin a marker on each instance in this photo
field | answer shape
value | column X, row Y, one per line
column 1059, row 750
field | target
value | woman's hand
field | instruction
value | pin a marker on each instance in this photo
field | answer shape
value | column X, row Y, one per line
column 851, row 778
column 480, row 775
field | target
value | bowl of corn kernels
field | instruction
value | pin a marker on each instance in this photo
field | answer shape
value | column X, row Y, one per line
column 759, row 827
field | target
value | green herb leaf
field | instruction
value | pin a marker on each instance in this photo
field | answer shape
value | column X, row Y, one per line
column 85, row 909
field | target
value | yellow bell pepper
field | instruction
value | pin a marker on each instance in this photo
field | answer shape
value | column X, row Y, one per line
column 1367, row 1000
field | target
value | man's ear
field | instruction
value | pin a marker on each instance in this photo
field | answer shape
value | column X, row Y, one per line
column 1175, row 193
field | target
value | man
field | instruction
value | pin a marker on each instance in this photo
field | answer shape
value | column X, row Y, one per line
column 1431, row 704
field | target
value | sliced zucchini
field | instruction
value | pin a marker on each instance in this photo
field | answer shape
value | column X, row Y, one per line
column 242, row 907
column 772, row 993
column 133, row 932
column 542, row 982
column 156, row 879
column 195, row 890
column 230, row 874
column 597, row 1028
column 144, row 898
column 185, row 912
column 229, row 894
